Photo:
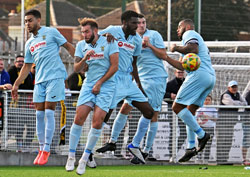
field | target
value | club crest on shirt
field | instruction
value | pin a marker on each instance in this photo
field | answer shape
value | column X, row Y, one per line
column 102, row 48
column 44, row 37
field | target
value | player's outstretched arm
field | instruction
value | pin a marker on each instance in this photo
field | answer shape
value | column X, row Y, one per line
column 175, row 63
column 189, row 48
column 69, row 47
column 23, row 74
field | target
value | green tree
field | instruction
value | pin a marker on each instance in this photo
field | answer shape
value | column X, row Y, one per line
column 28, row 4
column 157, row 16
column 99, row 7
column 220, row 20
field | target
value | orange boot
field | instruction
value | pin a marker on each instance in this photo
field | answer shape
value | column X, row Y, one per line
column 44, row 158
column 37, row 158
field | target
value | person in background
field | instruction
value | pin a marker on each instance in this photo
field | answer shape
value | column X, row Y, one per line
column 228, row 117
column 14, row 72
column 75, row 80
column 27, row 84
column 5, row 83
column 173, row 87
column 207, row 118
column 246, row 132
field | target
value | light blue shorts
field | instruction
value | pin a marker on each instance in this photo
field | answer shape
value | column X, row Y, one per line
column 195, row 88
column 126, row 89
column 102, row 100
column 155, row 89
column 49, row 91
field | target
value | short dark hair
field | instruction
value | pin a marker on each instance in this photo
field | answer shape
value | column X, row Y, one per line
column 19, row 56
column 188, row 21
column 88, row 21
column 141, row 16
column 127, row 15
column 34, row 12
column 210, row 96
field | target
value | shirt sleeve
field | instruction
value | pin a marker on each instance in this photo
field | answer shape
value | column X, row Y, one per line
column 59, row 38
column 190, row 37
column 109, row 29
column 158, row 41
column 138, row 48
column 248, row 98
column 28, row 57
column 113, row 48
column 78, row 50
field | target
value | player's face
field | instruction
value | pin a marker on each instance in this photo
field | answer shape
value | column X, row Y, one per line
column 1, row 66
column 88, row 33
column 181, row 29
column 141, row 26
column 32, row 24
column 131, row 25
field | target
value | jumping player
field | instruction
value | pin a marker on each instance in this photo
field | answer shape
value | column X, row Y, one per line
column 42, row 49
column 194, row 90
column 130, row 44
column 97, row 90
column 153, row 78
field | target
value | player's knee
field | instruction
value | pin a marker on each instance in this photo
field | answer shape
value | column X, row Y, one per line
column 175, row 109
column 97, row 124
column 149, row 113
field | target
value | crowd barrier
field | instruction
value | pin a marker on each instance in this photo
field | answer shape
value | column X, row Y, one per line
column 18, row 132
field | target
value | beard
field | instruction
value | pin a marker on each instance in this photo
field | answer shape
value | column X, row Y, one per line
column 131, row 31
column 91, row 38
column 182, row 32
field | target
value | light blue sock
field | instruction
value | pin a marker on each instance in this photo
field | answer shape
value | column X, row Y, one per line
column 190, row 137
column 188, row 118
column 118, row 125
column 151, row 136
column 40, row 128
column 74, row 136
column 49, row 128
column 93, row 137
column 141, row 131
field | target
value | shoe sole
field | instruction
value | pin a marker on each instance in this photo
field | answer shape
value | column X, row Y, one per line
column 102, row 151
column 143, row 162
column 187, row 159
column 200, row 149
column 135, row 161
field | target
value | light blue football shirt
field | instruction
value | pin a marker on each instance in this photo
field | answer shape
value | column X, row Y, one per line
column 99, row 63
column 43, row 50
column 127, row 47
column 206, row 64
column 148, row 64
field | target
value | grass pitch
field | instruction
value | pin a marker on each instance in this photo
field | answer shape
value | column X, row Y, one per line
column 130, row 171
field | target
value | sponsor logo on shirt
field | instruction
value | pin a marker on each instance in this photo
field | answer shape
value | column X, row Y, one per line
column 37, row 46
column 97, row 56
column 126, row 45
